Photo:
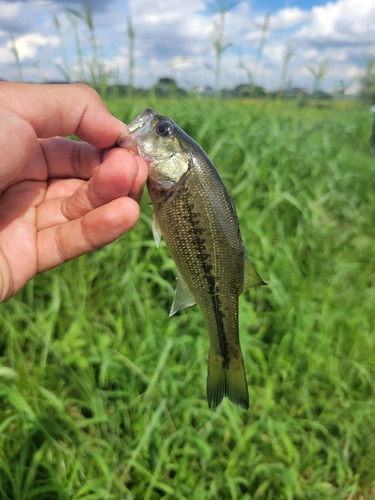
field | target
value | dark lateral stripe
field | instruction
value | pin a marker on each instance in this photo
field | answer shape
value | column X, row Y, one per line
column 199, row 243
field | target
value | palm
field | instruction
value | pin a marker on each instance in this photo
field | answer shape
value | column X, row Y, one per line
column 47, row 220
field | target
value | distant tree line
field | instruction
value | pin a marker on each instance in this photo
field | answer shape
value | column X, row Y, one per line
column 168, row 87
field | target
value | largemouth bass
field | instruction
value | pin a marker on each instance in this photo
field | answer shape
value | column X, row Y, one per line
column 197, row 218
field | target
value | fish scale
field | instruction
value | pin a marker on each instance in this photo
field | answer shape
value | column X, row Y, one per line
column 203, row 245
column 197, row 218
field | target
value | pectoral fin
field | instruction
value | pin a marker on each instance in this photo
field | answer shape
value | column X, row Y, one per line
column 182, row 297
column 156, row 230
column 251, row 277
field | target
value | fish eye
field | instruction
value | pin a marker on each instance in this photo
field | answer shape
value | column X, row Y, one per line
column 163, row 129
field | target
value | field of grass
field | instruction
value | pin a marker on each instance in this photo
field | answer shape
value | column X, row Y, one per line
column 102, row 396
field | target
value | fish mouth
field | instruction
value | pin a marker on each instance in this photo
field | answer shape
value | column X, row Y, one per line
column 139, row 126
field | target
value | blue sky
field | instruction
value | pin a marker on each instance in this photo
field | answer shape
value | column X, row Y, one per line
column 266, row 5
column 174, row 38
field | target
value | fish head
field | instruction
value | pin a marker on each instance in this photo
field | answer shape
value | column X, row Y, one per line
column 160, row 142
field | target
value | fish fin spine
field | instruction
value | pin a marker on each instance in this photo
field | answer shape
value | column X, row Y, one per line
column 227, row 379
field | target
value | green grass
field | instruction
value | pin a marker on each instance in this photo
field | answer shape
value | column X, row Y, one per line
column 102, row 396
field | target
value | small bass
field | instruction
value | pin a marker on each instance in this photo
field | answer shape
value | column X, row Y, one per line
column 197, row 218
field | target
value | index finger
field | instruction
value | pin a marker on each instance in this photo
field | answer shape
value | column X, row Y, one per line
column 62, row 109
column 29, row 111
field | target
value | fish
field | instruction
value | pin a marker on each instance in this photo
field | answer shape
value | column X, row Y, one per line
column 195, row 214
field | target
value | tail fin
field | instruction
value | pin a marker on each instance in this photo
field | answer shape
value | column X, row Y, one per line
column 226, row 380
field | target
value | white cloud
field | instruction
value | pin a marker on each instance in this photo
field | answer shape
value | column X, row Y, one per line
column 344, row 21
column 354, row 71
column 274, row 53
column 10, row 11
column 342, row 31
column 288, row 18
column 172, row 30
column 27, row 45
column 174, row 38
column 6, row 54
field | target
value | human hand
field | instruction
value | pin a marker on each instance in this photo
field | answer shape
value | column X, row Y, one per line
column 60, row 198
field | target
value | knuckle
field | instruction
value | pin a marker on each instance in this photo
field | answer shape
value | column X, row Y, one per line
column 87, row 91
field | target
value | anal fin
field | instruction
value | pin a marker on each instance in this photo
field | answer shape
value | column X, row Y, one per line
column 182, row 297
column 251, row 277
